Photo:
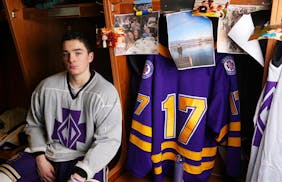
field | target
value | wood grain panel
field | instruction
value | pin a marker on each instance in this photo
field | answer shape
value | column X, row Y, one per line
column 31, row 39
column 121, row 79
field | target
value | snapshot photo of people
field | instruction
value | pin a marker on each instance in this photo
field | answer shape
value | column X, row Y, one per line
column 210, row 8
column 190, row 47
column 140, row 34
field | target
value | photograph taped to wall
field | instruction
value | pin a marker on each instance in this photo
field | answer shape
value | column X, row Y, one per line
column 267, row 32
column 142, row 7
column 103, row 37
column 110, row 37
column 234, row 13
column 190, row 47
column 210, row 8
column 140, row 32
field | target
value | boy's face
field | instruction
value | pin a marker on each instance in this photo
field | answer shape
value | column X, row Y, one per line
column 76, row 57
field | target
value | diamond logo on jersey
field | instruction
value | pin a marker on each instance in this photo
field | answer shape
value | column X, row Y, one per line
column 264, row 112
column 229, row 65
column 69, row 131
column 148, row 69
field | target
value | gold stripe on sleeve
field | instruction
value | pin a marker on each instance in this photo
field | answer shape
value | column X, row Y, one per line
column 143, row 145
column 12, row 170
column 198, row 169
column 235, row 126
column 158, row 170
column 143, row 129
column 234, row 141
column 222, row 133
column 8, row 173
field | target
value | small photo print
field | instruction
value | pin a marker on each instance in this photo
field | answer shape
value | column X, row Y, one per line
column 140, row 34
column 210, row 8
column 109, row 37
column 267, row 32
column 142, row 7
column 104, row 37
column 190, row 47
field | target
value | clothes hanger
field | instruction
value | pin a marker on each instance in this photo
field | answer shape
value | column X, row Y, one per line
column 277, row 56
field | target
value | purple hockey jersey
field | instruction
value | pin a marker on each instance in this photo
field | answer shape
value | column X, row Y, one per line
column 188, row 112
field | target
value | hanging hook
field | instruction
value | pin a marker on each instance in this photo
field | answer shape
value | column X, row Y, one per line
column 13, row 14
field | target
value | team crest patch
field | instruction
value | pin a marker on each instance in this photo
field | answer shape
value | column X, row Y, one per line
column 69, row 131
column 148, row 69
column 229, row 65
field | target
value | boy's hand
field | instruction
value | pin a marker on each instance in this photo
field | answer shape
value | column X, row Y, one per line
column 45, row 169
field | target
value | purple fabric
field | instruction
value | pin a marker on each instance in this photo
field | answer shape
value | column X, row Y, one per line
column 199, row 104
column 24, row 164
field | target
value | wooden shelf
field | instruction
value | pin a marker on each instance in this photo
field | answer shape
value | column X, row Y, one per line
column 65, row 11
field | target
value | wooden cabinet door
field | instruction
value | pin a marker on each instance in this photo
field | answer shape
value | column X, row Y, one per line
column 36, row 44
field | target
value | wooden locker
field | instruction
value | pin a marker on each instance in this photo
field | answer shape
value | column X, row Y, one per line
column 36, row 35
column 12, row 87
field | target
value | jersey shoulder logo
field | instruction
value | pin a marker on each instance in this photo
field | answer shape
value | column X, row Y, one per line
column 229, row 65
column 148, row 69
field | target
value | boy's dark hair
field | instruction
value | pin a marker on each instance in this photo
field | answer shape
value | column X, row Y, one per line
column 74, row 35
